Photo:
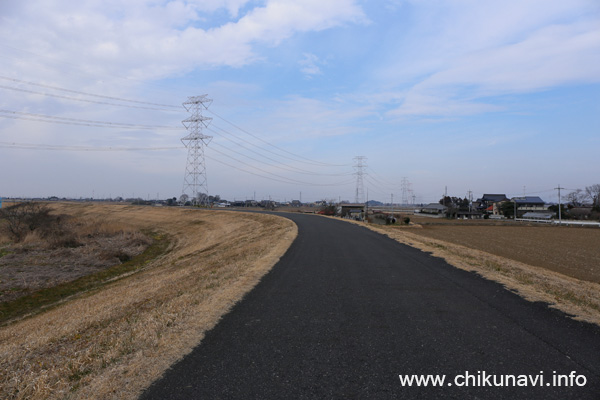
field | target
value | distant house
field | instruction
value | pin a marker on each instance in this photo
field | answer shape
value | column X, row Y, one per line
column 527, row 204
column 466, row 214
column 530, row 203
column 490, row 202
column 352, row 210
column 434, row 208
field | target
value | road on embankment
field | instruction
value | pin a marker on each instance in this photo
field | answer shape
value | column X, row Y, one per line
column 346, row 311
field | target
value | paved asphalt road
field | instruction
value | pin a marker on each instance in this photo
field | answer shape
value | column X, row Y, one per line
column 346, row 311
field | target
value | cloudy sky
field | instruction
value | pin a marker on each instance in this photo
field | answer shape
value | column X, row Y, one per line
column 487, row 96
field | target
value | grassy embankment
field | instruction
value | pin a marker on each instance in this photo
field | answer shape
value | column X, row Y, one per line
column 114, row 340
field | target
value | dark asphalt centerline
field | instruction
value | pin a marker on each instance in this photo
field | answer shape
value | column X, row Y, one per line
column 346, row 310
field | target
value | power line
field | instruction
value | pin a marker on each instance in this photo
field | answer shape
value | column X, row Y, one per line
column 269, row 178
column 289, row 180
column 253, row 144
column 384, row 189
column 306, row 160
column 87, row 94
column 77, row 121
column 82, row 100
column 279, row 164
column 31, row 146
column 269, row 151
column 296, row 157
column 282, row 166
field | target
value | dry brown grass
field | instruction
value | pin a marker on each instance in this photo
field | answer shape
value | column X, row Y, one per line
column 573, row 296
column 60, row 250
column 114, row 342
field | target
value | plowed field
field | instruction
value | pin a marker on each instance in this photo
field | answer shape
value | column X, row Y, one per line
column 573, row 252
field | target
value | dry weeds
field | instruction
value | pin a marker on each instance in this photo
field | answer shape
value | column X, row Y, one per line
column 80, row 249
column 114, row 342
column 576, row 297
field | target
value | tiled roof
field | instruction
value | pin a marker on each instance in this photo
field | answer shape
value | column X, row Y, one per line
column 528, row 200
column 493, row 197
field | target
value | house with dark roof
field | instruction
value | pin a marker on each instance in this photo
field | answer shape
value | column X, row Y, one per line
column 352, row 210
column 526, row 204
column 434, row 208
column 487, row 202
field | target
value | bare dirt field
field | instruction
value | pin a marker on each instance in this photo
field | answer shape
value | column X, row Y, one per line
column 574, row 252
column 113, row 341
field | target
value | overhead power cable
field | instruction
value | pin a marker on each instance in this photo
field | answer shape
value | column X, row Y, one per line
column 283, row 178
column 278, row 164
column 267, row 177
column 83, row 100
column 281, row 166
column 274, row 177
column 77, row 121
column 381, row 180
column 88, row 94
column 252, row 144
column 305, row 160
column 170, row 107
column 31, row 146
column 369, row 180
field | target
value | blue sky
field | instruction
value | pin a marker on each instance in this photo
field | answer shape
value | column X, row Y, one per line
column 488, row 96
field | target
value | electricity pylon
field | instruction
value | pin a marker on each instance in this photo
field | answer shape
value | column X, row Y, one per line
column 360, row 188
column 195, row 185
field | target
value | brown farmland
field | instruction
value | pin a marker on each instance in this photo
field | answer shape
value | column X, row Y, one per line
column 574, row 252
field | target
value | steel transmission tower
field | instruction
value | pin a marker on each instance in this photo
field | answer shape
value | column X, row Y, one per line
column 195, row 186
column 405, row 187
column 360, row 188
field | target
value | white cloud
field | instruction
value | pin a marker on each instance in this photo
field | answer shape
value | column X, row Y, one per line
column 467, row 51
column 146, row 39
column 310, row 65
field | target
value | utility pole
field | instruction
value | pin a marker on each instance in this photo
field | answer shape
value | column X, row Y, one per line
column 195, row 184
column 392, row 206
column 367, row 207
column 559, row 205
column 470, row 202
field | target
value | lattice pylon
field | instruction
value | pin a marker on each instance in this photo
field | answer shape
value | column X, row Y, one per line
column 359, row 164
column 195, row 184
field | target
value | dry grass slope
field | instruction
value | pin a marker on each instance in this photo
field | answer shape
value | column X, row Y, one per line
column 114, row 342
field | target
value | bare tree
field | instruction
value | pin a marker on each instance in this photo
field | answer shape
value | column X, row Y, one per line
column 23, row 218
column 576, row 198
column 594, row 193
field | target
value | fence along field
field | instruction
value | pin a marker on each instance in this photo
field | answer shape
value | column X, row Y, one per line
column 115, row 340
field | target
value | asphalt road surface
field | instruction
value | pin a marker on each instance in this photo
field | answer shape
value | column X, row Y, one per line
column 346, row 311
